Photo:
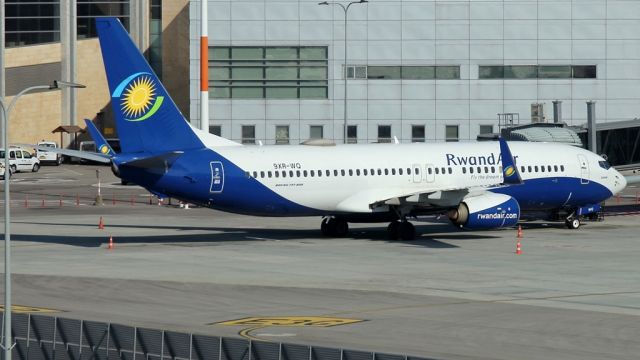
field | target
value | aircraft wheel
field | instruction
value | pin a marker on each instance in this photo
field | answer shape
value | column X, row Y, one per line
column 393, row 230
column 573, row 223
column 407, row 231
column 341, row 228
column 325, row 228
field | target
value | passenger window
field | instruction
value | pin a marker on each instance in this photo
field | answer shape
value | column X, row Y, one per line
column 529, row 168
column 335, row 172
column 358, row 172
column 290, row 173
column 464, row 170
column 408, row 171
column 443, row 171
column 284, row 174
column 548, row 168
column 269, row 173
column 328, row 173
column 430, row 171
column 417, row 171
column 450, row 171
column 386, row 171
column 312, row 173
column 493, row 169
column 555, row 168
column 470, row 170
column 342, row 172
column 479, row 170
column 262, row 174
column 247, row 174
column 379, row 172
column 393, row 171
column 522, row 169
column 319, row 173
column 276, row 173
column 364, row 172
column 542, row 168
column 350, row 172
column 304, row 172
column 373, row 172
column 255, row 174
column 486, row 169
column 400, row 171
column 562, row 168
column 297, row 173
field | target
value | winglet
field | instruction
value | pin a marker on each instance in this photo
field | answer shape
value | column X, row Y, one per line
column 102, row 145
column 509, row 168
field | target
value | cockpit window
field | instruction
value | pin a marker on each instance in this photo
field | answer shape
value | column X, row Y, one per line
column 604, row 164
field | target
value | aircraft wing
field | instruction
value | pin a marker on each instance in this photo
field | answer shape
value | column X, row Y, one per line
column 429, row 196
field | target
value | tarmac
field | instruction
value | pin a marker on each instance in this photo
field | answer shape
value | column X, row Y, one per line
column 450, row 294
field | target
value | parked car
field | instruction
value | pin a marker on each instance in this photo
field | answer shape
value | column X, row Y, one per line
column 20, row 159
column 47, row 156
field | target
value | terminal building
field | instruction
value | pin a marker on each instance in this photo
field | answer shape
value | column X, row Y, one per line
column 429, row 70
column 415, row 70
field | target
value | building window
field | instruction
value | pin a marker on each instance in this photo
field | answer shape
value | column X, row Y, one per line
column 29, row 23
column 356, row 72
column 537, row 72
column 486, row 129
column 89, row 10
column 413, row 72
column 268, row 72
column 248, row 134
column 316, row 132
column 384, row 133
column 451, row 133
column 417, row 133
column 215, row 130
column 282, row 134
column 155, row 36
column 352, row 134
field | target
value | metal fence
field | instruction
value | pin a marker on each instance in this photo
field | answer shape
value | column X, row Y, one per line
column 39, row 337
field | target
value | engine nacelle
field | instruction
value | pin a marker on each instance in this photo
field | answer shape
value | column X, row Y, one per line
column 486, row 211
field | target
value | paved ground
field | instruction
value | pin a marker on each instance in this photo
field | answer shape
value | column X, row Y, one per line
column 450, row 294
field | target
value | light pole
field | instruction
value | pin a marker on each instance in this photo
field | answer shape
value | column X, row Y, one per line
column 345, row 8
column 7, row 346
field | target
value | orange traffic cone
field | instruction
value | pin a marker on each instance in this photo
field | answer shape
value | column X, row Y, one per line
column 110, row 246
column 518, row 248
column 519, row 232
column 101, row 224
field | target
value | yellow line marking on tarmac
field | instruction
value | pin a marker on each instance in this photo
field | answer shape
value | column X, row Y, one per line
column 19, row 309
column 245, row 333
column 318, row 321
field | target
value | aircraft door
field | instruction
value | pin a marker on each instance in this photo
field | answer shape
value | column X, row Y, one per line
column 584, row 169
column 217, row 177
column 417, row 174
column 430, row 174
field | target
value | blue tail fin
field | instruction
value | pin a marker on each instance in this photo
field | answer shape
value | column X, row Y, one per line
column 147, row 119
column 102, row 146
column 509, row 168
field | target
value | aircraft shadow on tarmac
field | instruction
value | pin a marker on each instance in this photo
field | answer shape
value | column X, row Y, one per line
column 435, row 236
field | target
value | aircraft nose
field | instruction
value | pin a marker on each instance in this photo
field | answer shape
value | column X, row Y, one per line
column 619, row 182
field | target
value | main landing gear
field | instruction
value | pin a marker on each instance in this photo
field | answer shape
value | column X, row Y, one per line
column 401, row 229
column 334, row 227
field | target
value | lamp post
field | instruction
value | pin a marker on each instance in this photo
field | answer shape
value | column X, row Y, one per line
column 7, row 346
column 345, row 8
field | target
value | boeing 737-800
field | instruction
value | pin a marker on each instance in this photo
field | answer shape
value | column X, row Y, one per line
column 479, row 185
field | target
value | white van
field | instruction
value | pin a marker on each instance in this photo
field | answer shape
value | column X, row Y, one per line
column 20, row 159
column 47, row 156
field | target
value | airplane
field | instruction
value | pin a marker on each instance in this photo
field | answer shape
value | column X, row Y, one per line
column 478, row 185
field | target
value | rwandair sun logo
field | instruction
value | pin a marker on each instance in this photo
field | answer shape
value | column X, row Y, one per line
column 509, row 170
column 104, row 149
column 138, row 97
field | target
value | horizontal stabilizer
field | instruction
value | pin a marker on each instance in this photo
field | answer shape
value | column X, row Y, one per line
column 158, row 164
column 87, row 155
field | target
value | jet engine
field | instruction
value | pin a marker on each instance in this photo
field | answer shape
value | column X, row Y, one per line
column 486, row 211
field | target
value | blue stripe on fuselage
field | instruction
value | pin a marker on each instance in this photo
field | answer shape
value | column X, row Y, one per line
column 190, row 178
column 553, row 193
